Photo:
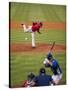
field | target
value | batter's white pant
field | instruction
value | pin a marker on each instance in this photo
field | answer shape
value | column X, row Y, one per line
column 29, row 29
column 57, row 78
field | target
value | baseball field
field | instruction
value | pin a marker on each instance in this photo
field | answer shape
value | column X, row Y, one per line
column 25, row 59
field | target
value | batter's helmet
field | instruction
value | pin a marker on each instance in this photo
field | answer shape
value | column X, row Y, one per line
column 49, row 56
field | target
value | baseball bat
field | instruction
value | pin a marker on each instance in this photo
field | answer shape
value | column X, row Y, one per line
column 51, row 49
column 52, row 46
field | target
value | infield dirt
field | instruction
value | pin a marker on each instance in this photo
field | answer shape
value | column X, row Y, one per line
column 47, row 25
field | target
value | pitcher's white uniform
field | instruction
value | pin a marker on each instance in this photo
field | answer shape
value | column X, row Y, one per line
column 32, row 29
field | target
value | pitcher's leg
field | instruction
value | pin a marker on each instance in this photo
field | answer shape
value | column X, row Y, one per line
column 33, row 39
column 25, row 29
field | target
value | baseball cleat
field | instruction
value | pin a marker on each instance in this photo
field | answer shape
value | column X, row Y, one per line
column 22, row 24
column 33, row 46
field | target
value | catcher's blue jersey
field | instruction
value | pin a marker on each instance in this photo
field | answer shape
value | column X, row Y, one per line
column 55, row 67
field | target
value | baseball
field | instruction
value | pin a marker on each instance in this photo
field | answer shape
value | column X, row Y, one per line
column 26, row 38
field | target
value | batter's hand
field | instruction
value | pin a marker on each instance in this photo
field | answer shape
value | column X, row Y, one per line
column 46, row 61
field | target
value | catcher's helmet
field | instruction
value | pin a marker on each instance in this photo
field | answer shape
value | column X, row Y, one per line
column 31, row 76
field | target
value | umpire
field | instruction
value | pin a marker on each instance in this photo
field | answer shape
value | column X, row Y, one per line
column 43, row 79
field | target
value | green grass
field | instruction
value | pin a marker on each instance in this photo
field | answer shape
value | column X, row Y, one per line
column 21, row 66
column 46, row 36
column 37, row 12
column 23, row 63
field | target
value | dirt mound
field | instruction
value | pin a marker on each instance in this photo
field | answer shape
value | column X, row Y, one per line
column 40, row 48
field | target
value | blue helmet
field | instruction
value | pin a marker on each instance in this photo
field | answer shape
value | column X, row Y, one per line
column 49, row 56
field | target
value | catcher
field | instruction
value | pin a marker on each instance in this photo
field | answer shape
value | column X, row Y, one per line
column 30, row 80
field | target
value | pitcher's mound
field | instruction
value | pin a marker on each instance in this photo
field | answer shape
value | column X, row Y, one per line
column 40, row 48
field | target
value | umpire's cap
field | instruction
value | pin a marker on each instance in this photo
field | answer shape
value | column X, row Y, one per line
column 49, row 56
column 42, row 70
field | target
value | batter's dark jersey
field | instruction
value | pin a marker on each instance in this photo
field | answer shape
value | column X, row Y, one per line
column 55, row 67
